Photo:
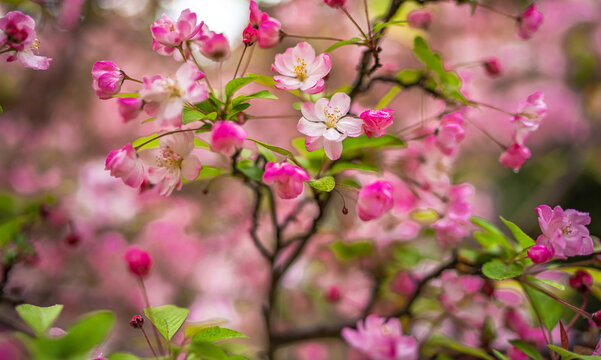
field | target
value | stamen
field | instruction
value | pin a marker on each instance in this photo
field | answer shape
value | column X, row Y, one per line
column 300, row 69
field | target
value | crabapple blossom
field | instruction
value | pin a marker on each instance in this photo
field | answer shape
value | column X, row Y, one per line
column 420, row 19
column 531, row 113
column 493, row 67
column 454, row 226
column 172, row 161
column 249, row 35
column 138, row 261
column 515, row 156
column 375, row 122
column 529, row 22
column 125, row 164
column 227, row 137
column 214, row 46
column 335, row 3
column 374, row 200
column 107, row 79
column 539, row 254
column 450, row 133
column 403, row 283
column 17, row 34
column 325, row 124
column 288, row 179
column 164, row 98
column 168, row 35
column 564, row 232
column 301, row 69
column 268, row 28
column 129, row 108
column 381, row 340
column 581, row 281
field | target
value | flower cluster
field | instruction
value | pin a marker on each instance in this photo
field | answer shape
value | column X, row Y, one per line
column 19, row 41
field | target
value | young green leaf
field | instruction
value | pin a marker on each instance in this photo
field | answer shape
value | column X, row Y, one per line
column 549, row 309
column 523, row 239
column 352, row 41
column 167, row 318
column 268, row 154
column 86, row 334
column 348, row 251
column 325, row 184
column 551, row 283
column 123, row 356
column 497, row 270
column 207, row 351
column 215, row 333
column 568, row 355
column 441, row 341
column 276, row 149
column 492, row 236
column 236, row 84
column 527, row 349
column 364, row 142
column 344, row 165
column 39, row 318
column 500, row 355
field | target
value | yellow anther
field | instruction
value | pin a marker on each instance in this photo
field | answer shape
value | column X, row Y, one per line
column 300, row 69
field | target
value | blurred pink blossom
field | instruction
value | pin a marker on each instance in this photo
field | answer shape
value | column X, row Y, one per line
column 288, row 179
column 375, row 122
column 301, row 69
column 227, row 137
column 374, row 200
column 126, row 164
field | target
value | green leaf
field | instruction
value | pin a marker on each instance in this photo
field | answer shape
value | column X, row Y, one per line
column 344, row 165
column 215, row 333
column 346, row 251
column 497, row 270
column 527, row 349
column 551, row 283
column 167, row 318
column 262, row 79
column 363, row 142
column 380, row 26
column 87, row 333
column 500, row 355
column 248, row 168
column 268, row 154
column 568, row 355
column 325, row 184
column 127, row 95
column 407, row 257
column 123, row 356
column 263, row 94
column 388, row 97
column 1, row 109
column 410, row 76
column 276, row 149
column 236, row 84
column 523, row 239
column 352, row 41
column 549, row 309
column 39, row 318
column 189, row 116
column 206, row 172
column 152, row 144
column 207, row 351
column 492, row 236
column 439, row 340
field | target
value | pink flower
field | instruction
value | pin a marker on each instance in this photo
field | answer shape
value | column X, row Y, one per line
column 450, row 133
column 129, row 108
column 454, row 226
column 581, row 281
column 125, row 164
column 227, row 137
column 564, row 232
column 539, row 254
column 532, row 112
column 300, row 69
column 214, row 46
column 167, row 34
column 381, row 340
column 421, row 19
column 326, row 125
column 165, row 97
column 375, row 122
column 171, row 161
column 403, row 283
column 529, row 22
column 335, row 3
column 107, row 79
column 249, row 35
column 268, row 28
column 515, row 156
column 138, row 261
column 493, row 67
column 17, row 33
column 374, row 200
column 288, row 179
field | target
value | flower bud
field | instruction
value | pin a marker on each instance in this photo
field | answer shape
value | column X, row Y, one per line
column 125, row 164
column 249, row 35
column 403, row 283
column 374, row 200
column 107, row 79
column 333, row 293
column 129, row 108
column 139, row 261
column 493, row 67
column 581, row 281
column 335, row 3
column 136, row 322
column 215, row 47
column 515, row 156
column 539, row 254
column 227, row 136
column 72, row 239
column 375, row 122
column 597, row 319
column 529, row 22
column 420, row 19
column 288, row 179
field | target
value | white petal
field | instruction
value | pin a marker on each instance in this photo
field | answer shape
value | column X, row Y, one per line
column 313, row 143
column 341, row 101
column 191, row 167
column 334, row 135
column 310, row 128
column 333, row 149
column 350, row 126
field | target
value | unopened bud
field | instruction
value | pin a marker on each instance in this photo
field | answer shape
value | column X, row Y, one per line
column 136, row 322
column 581, row 281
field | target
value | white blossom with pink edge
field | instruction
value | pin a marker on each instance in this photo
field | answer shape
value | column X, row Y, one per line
column 172, row 160
column 18, row 38
column 301, row 69
column 165, row 97
column 326, row 125
column 167, row 34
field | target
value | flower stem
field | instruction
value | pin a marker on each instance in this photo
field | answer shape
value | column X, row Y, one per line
column 206, row 78
column 354, row 22
column 554, row 297
column 147, row 304
column 240, row 61
column 164, row 134
column 149, row 344
column 311, row 37
column 475, row 103
column 367, row 18
column 250, row 56
column 485, row 132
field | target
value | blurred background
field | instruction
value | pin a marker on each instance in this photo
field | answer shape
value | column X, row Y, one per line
column 55, row 135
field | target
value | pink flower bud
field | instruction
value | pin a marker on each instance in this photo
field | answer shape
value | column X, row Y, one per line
column 335, row 3
column 529, row 22
column 227, row 136
column 375, row 122
column 129, row 108
column 374, row 200
column 107, row 79
column 136, row 322
column 333, row 293
column 215, row 47
column 421, row 19
column 539, row 254
column 450, row 133
column 72, row 239
column 597, row 319
column 269, row 34
column 403, row 283
column 493, row 67
column 515, row 156
column 125, row 164
column 581, row 281
column 139, row 261
column 249, row 35
column 288, row 179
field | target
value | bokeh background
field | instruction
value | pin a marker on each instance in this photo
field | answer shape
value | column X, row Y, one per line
column 55, row 134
